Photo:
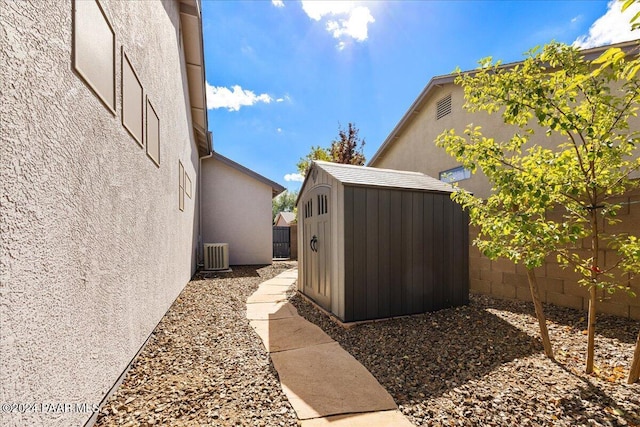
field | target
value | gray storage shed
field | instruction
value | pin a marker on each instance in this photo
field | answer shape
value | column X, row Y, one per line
column 376, row 243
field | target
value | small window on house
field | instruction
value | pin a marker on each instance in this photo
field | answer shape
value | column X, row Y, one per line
column 454, row 175
column 94, row 50
column 153, row 134
column 187, row 185
column 132, row 101
column 443, row 107
column 180, row 186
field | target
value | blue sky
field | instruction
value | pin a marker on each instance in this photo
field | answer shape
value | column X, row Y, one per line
column 281, row 76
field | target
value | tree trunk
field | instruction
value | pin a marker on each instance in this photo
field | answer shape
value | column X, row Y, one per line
column 591, row 329
column 542, row 321
column 591, row 322
column 634, row 372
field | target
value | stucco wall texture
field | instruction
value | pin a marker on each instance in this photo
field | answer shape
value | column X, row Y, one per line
column 94, row 249
column 237, row 211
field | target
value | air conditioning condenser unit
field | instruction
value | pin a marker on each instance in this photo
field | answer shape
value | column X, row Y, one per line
column 216, row 256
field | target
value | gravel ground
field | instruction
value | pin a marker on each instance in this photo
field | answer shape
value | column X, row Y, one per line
column 483, row 364
column 204, row 365
column 476, row 365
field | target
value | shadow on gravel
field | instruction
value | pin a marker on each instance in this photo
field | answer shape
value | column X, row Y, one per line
column 471, row 366
column 574, row 405
column 619, row 328
column 424, row 356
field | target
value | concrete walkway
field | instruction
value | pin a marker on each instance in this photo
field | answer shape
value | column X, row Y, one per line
column 324, row 384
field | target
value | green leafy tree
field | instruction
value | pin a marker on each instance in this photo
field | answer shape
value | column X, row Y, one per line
column 512, row 221
column 555, row 89
column 346, row 149
column 317, row 153
column 284, row 202
column 634, row 372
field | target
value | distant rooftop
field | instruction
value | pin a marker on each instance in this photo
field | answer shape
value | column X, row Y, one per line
column 287, row 216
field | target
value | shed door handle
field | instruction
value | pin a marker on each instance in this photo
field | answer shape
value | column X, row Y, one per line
column 314, row 244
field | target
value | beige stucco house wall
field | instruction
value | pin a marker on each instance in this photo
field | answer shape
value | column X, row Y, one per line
column 237, row 210
column 410, row 146
column 94, row 244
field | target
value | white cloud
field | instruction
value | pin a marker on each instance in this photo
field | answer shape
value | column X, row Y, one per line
column 294, row 177
column 355, row 26
column 234, row 98
column 277, row 3
column 344, row 19
column 612, row 27
column 316, row 10
column 279, row 130
column 285, row 98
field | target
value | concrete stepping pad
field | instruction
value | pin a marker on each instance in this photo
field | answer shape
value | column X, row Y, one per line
column 270, row 310
column 261, row 298
column 272, row 289
column 377, row 419
column 276, row 281
column 325, row 380
column 289, row 334
column 289, row 274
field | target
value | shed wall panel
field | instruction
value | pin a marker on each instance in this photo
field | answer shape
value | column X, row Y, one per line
column 359, row 254
column 338, row 255
column 384, row 253
column 405, row 253
column 428, row 258
column 406, row 249
column 372, row 248
column 349, row 250
column 395, row 260
column 417, row 284
column 438, row 254
column 448, row 250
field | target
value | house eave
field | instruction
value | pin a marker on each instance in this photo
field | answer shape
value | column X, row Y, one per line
column 193, row 41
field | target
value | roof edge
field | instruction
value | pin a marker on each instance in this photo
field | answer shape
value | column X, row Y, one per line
column 203, row 139
column 590, row 54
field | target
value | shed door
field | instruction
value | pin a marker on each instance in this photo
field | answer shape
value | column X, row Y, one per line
column 317, row 235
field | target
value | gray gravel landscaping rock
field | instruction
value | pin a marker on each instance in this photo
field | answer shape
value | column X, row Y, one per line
column 204, row 365
column 483, row 364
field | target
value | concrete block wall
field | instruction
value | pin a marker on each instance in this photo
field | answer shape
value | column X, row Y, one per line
column 504, row 279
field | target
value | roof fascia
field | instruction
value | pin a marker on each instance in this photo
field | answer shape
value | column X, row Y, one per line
column 193, row 8
column 414, row 109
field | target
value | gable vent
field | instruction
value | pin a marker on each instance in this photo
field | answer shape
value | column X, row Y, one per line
column 443, row 107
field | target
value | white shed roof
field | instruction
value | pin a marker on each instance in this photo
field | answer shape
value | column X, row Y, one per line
column 376, row 177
